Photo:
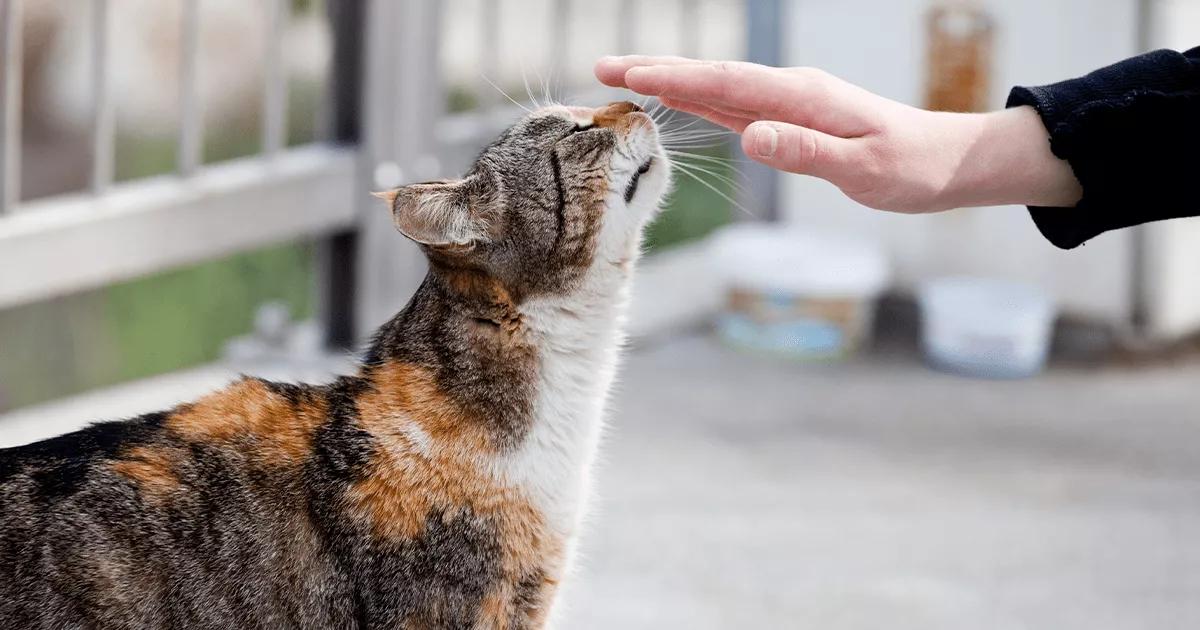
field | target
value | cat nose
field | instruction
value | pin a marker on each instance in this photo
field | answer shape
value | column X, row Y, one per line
column 613, row 113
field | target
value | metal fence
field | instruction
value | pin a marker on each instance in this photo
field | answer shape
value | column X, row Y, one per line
column 388, row 125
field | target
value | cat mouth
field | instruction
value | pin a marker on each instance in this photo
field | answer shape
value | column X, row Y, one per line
column 631, row 189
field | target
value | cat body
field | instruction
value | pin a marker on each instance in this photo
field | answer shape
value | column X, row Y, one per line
column 441, row 486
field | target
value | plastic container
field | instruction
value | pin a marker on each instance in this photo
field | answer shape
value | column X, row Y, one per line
column 797, row 293
column 985, row 327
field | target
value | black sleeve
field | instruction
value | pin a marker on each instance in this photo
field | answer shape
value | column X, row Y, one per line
column 1131, row 133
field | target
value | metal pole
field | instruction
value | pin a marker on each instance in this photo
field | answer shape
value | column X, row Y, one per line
column 102, row 107
column 764, row 24
column 626, row 27
column 1145, row 283
column 560, row 36
column 689, row 28
column 191, row 118
column 275, row 92
column 489, row 51
column 10, row 105
column 337, row 254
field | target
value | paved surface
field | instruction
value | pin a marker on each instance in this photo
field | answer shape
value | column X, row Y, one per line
column 744, row 493
column 737, row 492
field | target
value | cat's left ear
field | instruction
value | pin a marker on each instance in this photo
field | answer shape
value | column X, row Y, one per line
column 436, row 213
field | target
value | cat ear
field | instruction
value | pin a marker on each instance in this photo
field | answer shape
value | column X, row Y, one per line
column 435, row 214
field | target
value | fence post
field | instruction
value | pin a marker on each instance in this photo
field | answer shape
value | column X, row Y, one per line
column 337, row 254
column 10, row 104
column 403, row 101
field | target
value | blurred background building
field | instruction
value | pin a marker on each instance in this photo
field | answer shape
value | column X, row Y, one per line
column 183, row 195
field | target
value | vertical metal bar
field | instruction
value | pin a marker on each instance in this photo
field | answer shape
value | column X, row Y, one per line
column 102, row 107
column 626, row 27
column 404, row 100
column 1145, row 284
column 191, row 118
column 275, row 88
column 489, row 51
column 689, row 28
column 337, row 254
column 560, row 36
column 764, row 28
column 10, row 105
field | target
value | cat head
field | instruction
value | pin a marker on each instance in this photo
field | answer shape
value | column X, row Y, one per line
column 564, row 192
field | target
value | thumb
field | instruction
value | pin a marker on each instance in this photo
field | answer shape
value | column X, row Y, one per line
column 798, row 149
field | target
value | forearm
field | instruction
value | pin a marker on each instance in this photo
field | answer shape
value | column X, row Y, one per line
column 1003, row 158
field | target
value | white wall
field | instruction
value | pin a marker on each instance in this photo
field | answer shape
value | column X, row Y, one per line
column 880, row 45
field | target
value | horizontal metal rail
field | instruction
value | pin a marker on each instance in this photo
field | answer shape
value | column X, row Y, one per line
column 71, row 243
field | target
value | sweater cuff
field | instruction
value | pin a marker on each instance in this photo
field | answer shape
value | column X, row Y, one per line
column 1158, row 71
column 1078, row 111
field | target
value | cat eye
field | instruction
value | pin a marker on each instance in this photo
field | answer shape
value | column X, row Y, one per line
column 631, row 189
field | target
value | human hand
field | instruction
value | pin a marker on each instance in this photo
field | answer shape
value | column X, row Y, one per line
column 879, row 152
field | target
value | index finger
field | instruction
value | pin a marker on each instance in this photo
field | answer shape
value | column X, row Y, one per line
column 611, row 70
column 798, row 95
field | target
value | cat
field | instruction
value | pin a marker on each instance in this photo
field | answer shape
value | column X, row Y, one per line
column 440, row 486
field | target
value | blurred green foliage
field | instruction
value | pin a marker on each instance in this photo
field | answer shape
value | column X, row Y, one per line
column 148, row 326
column 164, row 322
column 693, row 209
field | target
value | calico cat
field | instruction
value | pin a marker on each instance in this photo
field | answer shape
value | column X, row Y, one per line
column 441, row 486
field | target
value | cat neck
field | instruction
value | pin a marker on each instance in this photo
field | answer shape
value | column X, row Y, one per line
column 579, row 338
column 499, row 360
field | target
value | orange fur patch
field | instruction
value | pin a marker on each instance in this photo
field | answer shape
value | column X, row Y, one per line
column 432, row 457
column 616, row 116
column 151, row 468
column 247, row 411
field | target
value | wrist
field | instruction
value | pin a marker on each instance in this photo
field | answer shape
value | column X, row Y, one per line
column 1004, row 158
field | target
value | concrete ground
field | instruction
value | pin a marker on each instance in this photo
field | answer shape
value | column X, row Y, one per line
column 737, row 492
column 741, row 492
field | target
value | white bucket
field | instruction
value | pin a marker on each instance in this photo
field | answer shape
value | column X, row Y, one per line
column 985, row 327
column 797, row 293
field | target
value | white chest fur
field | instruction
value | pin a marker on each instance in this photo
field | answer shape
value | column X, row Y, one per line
column 579, row 341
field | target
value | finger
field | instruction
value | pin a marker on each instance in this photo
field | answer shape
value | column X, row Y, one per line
column 611, row 70
column 728, row 111
column 803, row 96
column 799, row 150
column 729, row 121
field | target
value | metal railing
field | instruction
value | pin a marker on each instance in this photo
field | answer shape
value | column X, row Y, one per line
column 389, row 126
column 115, row 231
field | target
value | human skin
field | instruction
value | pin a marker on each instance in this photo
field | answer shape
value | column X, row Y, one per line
column 879, row 152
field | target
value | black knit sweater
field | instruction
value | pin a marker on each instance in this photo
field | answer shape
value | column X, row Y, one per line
column 1131, row 133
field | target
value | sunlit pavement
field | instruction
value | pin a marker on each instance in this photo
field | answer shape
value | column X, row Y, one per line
column 737, row 492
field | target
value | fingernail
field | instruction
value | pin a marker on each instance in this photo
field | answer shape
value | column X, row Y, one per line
column 766, row 139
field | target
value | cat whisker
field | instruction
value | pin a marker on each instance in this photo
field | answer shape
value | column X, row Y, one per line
column 696, row 145
column 706, row 168
column 528, row 91
column 720, row 193
column 683, row 132
column 695, row 138
column 683, row 127
column 722, row 161
column 726, row 182
column 505, row 94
